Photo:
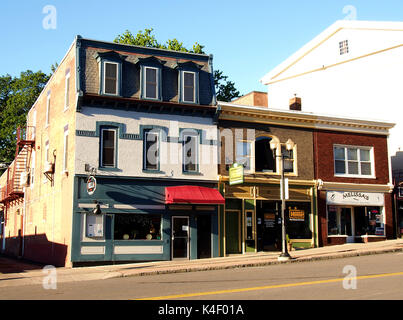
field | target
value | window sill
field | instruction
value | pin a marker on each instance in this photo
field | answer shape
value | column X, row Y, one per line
column 354, row 176
column 108, row 169
column 64, row 172
column 189, row 173
column 153, row 171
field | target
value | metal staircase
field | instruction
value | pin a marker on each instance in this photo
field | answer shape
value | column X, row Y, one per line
column 14, row 190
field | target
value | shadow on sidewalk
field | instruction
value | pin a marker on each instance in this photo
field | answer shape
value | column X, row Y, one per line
column 13, row 265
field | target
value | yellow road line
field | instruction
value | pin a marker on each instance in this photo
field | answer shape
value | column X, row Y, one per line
column 286, row 285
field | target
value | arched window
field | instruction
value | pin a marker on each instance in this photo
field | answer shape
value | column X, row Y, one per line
column 264, row 157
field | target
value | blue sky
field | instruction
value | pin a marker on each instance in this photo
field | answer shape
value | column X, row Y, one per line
column 247, row 38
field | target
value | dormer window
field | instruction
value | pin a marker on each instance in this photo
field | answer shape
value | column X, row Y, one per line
column 110, row 78
column 188, row 81
column 189, row 86
column 151, row 83
column 110, row 71
column 151, row 77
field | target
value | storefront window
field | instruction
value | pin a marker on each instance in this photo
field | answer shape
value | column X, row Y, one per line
column 332, row 227
column 137, row 227
column 298, row 222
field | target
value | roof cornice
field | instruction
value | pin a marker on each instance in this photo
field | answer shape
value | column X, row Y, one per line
column 301, row 119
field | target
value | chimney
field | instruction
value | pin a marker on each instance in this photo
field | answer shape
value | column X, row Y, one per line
column 295, row 103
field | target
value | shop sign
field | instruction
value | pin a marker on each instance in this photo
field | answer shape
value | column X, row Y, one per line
column 296, row 214
column 91, row 185
column 355, row 198
column 236, row 174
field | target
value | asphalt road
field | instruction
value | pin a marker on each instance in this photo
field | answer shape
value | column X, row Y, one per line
column 378, row 277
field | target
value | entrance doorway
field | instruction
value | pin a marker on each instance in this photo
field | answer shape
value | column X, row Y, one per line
column 232, row 231
column 203, row 236
column 180, row 238
column 268, row 228
column 347, row 223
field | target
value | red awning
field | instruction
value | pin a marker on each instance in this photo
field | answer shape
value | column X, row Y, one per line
column 193, row 194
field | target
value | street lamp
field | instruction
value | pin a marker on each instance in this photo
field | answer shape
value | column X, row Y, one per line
column 289, row 146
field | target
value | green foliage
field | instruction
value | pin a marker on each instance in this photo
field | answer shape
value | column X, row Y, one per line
column 17, row 95
column 225, row 89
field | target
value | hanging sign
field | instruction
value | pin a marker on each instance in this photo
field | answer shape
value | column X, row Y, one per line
column 236, row 174
column 91, row 185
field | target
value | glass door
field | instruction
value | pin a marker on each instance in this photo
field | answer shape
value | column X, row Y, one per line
column 347, row 223
column 180, row 237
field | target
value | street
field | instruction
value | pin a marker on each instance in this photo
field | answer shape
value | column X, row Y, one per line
column 378, row 277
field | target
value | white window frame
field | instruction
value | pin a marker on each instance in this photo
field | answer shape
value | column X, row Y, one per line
column 195, row 149
column 66, row 91
column 251, row 156
column 65, row 151
column 32, row 172
column 194, row 86
column 47, row 148
column 158, row 134
column 104, row 78
column 359, row 175
column 156, row 84
column 102, row 165
column 47, row 110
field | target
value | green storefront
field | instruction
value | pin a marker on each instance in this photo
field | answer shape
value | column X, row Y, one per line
column 137, row 223
column 250, row 220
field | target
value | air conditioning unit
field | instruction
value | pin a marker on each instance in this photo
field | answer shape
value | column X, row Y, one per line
column 24, row 179
column 49, row 167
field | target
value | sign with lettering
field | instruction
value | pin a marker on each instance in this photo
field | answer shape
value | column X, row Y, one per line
column 296, row 214
column 354, row 198
column 236, row 174
column 91, row 185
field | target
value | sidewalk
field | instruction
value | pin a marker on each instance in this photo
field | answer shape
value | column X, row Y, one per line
column 31, row 274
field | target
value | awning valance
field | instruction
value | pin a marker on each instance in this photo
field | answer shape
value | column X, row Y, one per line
column 193, row 194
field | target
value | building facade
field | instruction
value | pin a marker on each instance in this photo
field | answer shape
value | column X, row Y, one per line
column 124, row 160
column 338, row 172
column 356, row 66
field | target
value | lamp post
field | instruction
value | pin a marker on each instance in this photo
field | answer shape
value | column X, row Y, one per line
column 289, row 146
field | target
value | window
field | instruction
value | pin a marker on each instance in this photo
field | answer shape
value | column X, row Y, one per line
column 190, row 153
column 66, row 91
column 32, row 173
column 151, row 150
column 137, row 226
column 108, row 148
column 264, row 160
column 343, row 46
column 151, row 83
column 111, row 78
column 288, row 159
column 47, row 109
column 65, row 149
column 189, row 86
column 353, row 161
column 47, row 158
column 244, row 156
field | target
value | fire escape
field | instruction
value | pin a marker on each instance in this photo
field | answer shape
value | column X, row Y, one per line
column 18, row 172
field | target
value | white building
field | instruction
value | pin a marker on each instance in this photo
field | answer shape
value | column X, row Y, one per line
column 353, row 68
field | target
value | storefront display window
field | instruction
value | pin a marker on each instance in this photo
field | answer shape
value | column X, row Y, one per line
column 137, row 227
column 298, row 221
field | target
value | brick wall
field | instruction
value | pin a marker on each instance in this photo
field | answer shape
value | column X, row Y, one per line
column 324, row 159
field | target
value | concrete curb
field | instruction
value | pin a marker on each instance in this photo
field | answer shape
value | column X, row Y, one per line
column 256, row 264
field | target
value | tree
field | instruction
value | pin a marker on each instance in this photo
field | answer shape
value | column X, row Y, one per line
column 17, row 95
column 225, row 90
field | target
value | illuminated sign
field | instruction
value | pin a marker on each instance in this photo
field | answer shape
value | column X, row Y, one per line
column 296, row 214
column 236, row 174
